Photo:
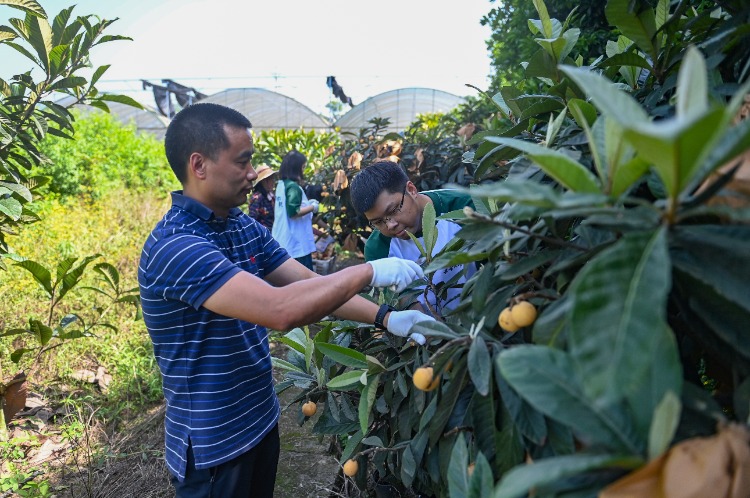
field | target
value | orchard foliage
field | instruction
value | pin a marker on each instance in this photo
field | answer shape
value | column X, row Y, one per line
column 59, row 51
column 611, row 219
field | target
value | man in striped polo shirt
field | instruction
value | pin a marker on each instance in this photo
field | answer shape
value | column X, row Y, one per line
column 211, row 280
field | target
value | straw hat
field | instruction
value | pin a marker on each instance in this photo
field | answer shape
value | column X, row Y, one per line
column 264, row 172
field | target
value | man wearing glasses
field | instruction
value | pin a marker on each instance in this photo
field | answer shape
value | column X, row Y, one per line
column 393, row 206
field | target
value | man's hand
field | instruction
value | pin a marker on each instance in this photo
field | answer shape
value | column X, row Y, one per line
column 315, row 205
column 401, row 322
column 396, row 273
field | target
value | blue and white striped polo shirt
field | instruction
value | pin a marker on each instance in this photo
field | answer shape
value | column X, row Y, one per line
column 216, row 370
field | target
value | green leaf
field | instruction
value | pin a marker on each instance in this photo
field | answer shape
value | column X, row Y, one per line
column 429, row 230
column 296, row 339
column 525, row 192
column 458, row 479
column 351, row 445
column 408, row 467
column 19, row 189
column 626, row 59
column 345, row 356
column 122, row 99
column 541, row 8
column 346, row 380
column 692, row 85
column 562, row 168
column 664, row 424
column 40, row 37
column 40, row 274
column 366, row 401
column 71, row 277
column 479, row 365
column 26, row 5
column 638, row 26
column 98, row 73
column 546, row 379
column 583, row 112
column 619, row 306
column 482, row 481
column 520, row 480
column 6, row 34
column 676, row 147
column 615, row 103
column 42, row 332
column 625, row 175
column 285, row 365
column 69, row 82
column 11, row 208
column 16, row 355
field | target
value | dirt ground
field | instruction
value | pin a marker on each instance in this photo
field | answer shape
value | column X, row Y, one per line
column 133, row 463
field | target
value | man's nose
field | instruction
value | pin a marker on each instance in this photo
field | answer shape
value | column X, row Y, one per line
column 251, row 174
column 390, row 223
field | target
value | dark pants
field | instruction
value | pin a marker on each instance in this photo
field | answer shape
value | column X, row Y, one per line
column 250, row 475
column 306, row 260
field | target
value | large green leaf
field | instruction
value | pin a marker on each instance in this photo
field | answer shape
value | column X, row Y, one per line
column 40, row 274
column 692, row 85
column 619, row 308
column 346, row 380
column 559, row 166
column 26, row 5
column 546, row 378
column 366, row 401
column 613, row 102
column 40, row 37
column 526, row 192
column 677, row 147
column 480, row 367
column 345, row 356
column 481, row 482
column 519, row 481
column 664, row 424
column 11, row 208
column 718, row 255
column 638, row 26
column 458, row 479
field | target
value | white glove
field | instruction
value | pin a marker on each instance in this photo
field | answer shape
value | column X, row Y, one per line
column 315, row 205
column 396, row 273
column 401, row 322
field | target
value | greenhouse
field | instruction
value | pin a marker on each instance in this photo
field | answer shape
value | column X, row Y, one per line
column 400, row 106
column 269, row 110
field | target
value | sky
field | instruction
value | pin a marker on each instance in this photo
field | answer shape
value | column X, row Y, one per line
column 288, row 46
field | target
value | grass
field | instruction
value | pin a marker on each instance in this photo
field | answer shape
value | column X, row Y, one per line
column 115, row 227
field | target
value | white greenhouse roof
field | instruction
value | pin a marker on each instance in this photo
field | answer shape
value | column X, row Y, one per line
column 146, row 120
column 269, row 110
column 401, row 106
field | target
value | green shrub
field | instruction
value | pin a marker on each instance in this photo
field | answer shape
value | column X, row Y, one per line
column 103, row 156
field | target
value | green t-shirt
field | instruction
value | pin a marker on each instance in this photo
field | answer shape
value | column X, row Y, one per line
column 444, row 201
column 293, row 197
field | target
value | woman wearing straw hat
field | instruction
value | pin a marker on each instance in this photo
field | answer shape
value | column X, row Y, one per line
column 263, row 198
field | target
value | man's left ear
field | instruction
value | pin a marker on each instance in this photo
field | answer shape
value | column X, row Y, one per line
column 411, row 189
column 197, row 165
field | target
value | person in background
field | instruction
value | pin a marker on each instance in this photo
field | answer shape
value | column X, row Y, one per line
column 292, row 225
column 211, row 281
column 393, row 206
column 261, row 205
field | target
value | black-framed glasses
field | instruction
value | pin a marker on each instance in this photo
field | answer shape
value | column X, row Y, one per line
column 380, row 223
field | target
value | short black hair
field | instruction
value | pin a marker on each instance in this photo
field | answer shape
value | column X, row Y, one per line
column 373, row 180
column 292, row 166
column 199, row 128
